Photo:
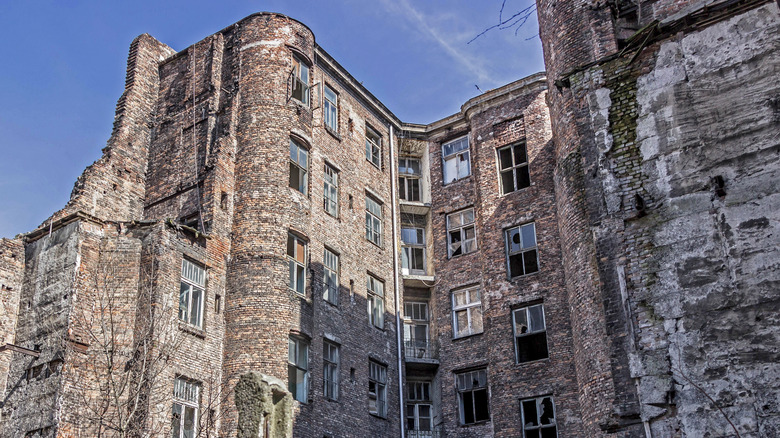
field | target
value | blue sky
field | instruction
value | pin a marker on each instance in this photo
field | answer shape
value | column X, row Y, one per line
column 63, row 68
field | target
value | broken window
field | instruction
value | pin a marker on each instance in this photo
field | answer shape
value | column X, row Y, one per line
column 298, row 369
column 373, row 221
column 299, row 166
column 186, row 398
column 455, row 156
column 331, row 191
column 296, row 259
column 373, row 147
column 330, row 261
column 473, row 396
column 419, row 410
column 376, row 301
column 538, row 418
column 330, row 369
column 466, row 312
column 409, row 175
column 377, row 388
column 461, row 234
column 300, row 80
column 416, row 341
column 330, row 109
column 513, row 168
column 530, row 333
column 191, row 293
column 521, row 250
column 412, row 251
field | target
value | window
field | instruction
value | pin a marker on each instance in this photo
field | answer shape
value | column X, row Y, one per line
column 299, row 166
column 330, row 370
column 530, row 333
column 461, row 236
column 466, row 312
column 521, row 250
column 296, row 258
column 373, row 147
column 298, row 369
column 412, row 251
column 473, row 396
column 377, row 389
column 331, row 280
column 373, row 221
column 416, row 330
column 409, row 179
column 331, row 191
column 191, row 293
column 538, row 418
column 376, row 302
column 456, row 159
column 419, row 410
column 513, row 168
column 300, row 80
column 330, row 109
column 184, row 420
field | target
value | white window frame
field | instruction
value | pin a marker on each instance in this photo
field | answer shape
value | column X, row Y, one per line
column 461, row 227
column 472, row 308
column 523, row 247
column 193, row 284
column 407, row 176
column 186, row 395
column 464, row 383
column 373, row 147
column 297, row 263
column 331, row 190
column 459, row 156
column 331, row 360
column 330, row 109
column 299, row 160
column 409, row 247
column 528, row 426
column 373, row 221
column 416, row 314
column 375, row 297
column 514, row 169
column 295, row 364
column 377, row 388
column 300, row 76
column 330, row 263
column 418, row 395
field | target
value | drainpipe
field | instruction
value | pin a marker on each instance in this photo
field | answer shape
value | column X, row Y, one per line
column 396, row 290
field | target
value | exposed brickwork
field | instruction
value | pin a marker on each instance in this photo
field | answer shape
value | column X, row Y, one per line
column 11, row 275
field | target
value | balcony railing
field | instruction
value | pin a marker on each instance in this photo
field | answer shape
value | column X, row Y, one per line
column 413, row 433
column 420, row 349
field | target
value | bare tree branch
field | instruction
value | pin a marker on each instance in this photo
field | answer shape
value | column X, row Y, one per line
column 516, row 20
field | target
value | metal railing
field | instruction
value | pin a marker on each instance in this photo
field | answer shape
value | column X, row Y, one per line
column 413, row 433
column 420, row 349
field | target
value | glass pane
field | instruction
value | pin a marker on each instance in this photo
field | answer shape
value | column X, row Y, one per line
column 505, row 158
column 453, row 221
column 520, row 154
column 300, row 278
column 529, row 261
column 468, row 216
column 418, row 259
column 507, row 182
column 294, row 176
column 461, row 323
column 521, row 322
column 460, row 298
column 303, row 356
column 304, row 72
column 176, row 420
column 300, row 251
column 464, row 168
column 414, row 190
column 529, row 413
column 290, row 246
column 197, row 297
column 405, row 253
column 414, row 166
column 513, row 239
column 189, row 422
column 529, row 235
column 291, row 353
column 330, row 95
column 303, row 158
column 293, row 151
column 291, row 282
column 408, row 235
column 476, row 319
column 473, row 295
column 537, row 318
column 184, row 294
column 523, row 179
column 450, row 170
column 469, row 233
column 420, row 236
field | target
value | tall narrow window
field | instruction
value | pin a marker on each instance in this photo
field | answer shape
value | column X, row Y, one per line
column 466, row 312
column 299, row 166
column 473, row 396
column 539, row 418
column 373, row 147
column 377, row 389
column 530, row 333
column 330, row 263
column 330, row 109
column 300, row 80
column 521, row 250
column 416, row 340
column 461, row 234
column 513, row 167
column 412, row 251
column 186, row 399
column 298, row 369
column 373, row 221
column 330, row 370
column 376, row 301
column 409, row 175
column 419, row 409
column 455, row 155
column 296, row 258
column 191, row 293
column 331, row 191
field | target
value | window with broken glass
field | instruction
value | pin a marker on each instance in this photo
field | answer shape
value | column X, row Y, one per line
column 331, row 191
column 296, row 259
column 330, row 109
column 298, row 369
column 461, row 234
column 513, row 168
column 373, row 221
column 186, row 399
column 373, row 147
column 539, row 418
column 412, row 251
column 530, row 333
column 330, row 263
column 299, row 166
column 466, row 312
column 416, row 340
column 455, row 156
column 419, row 409
column 191, row 293
column 330, row 370
column 522, row 258
column 300, row 80
column 377, row 388
column 409, row 175
column 376, row 301
column 473, row 396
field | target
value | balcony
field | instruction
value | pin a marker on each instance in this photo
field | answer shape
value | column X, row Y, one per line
column 413, row 433
column 422, row 352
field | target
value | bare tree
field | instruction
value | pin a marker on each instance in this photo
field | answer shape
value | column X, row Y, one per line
column 515, row 20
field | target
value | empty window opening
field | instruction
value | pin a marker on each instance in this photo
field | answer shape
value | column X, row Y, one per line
column 461, row 233
column 538, row 418
column 513, row 167
column 456, row 160
column 530, row 333
column 473, row 396
column 522, row 257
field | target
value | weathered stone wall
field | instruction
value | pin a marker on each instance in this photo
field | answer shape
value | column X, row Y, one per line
column 11, row 275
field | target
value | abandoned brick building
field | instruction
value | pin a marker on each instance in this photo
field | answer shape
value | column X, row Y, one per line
column 264, row 249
